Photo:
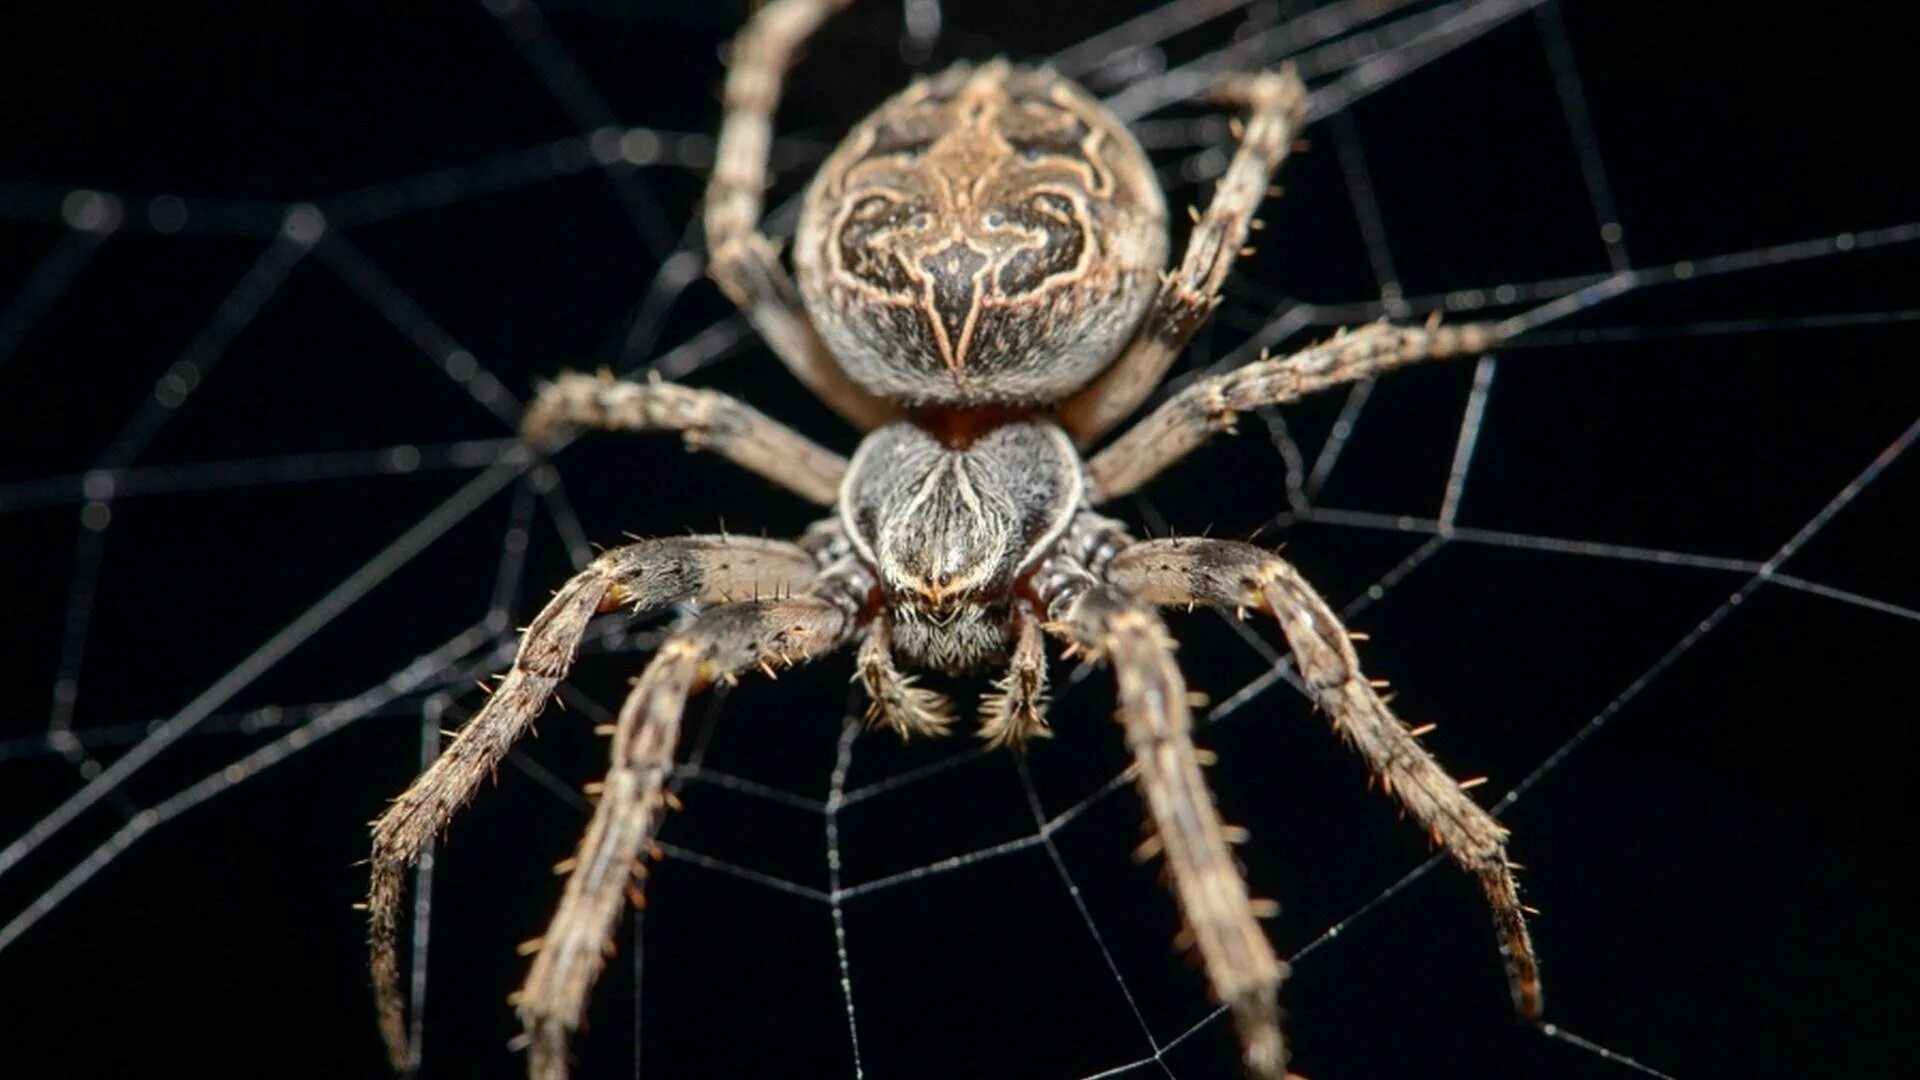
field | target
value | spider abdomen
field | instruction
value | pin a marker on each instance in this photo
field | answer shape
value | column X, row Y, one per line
column 990, row 235
column 949, row 529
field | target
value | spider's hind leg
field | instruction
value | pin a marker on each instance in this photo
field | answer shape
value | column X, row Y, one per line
column 1275, row 103
column 1228, row 574
column 744, row 262
column 645, row 575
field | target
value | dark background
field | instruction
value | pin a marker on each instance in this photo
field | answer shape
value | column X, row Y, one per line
column 1719, row 866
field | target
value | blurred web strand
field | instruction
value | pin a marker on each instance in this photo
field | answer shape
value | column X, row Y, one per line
column 422, row 671
column 1586, row 143
column 1139, row 32
column 49, row 278
column 264, row 471
column 201, row 355
column 567, row 84
column 1325, row 40
column 1285, row 41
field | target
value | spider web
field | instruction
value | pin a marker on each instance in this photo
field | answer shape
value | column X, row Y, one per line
column 266, row 526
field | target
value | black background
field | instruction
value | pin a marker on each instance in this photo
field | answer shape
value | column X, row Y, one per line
column 1719, row 866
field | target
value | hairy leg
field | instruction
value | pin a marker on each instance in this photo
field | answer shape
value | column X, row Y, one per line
column 741, row 259
column 1275, row 103
column 606, row 869
column 709, row 421
column 1103, row 621
column 1228, row 574
column 1196, row 413
column 893, row 701
column 645, row 575
column 1016, row 710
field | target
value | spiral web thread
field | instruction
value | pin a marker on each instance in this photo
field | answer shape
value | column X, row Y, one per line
column 1346, row 50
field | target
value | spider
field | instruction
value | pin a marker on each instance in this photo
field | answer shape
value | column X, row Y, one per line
column 978, row 286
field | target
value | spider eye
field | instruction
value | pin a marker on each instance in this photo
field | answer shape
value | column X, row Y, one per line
column 996, row 219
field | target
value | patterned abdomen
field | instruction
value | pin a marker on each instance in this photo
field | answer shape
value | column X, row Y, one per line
column 987, row 236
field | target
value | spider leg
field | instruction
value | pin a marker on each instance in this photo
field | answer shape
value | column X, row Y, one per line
column 1275, row 103
column 708, row 420
column 744, row 262
column 1196, row 413
column 720, row 643
column 893, row 700
column 644, row 575
column 1016, row 710
column 1226, row 573
column 1103, row 621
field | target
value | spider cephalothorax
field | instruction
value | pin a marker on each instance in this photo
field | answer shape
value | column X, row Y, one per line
column 952, row 527
column 981, row 292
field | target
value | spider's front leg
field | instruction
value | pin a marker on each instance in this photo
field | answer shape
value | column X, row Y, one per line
column 719, row 644
column 1240, row 965
column 744, row 262
column 645, row 575
column 1275, row 103
column 1228, row 574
